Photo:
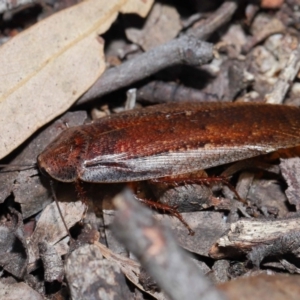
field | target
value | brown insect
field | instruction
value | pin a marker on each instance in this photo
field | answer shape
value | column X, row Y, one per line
column 169, row 140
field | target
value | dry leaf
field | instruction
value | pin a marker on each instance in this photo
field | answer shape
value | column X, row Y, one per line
column 47, row 67
column 50, row 226
column 162, row 25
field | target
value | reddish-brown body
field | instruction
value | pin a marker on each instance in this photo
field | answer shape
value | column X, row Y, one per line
column 169, row 139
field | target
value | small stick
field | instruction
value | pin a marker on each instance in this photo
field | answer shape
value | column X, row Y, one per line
column 220, row 17
column 286, row 77
column 186, row 49
column 158, row 252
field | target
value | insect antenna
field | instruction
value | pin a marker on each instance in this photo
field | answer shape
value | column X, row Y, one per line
column 16, row 167
column 59, row 210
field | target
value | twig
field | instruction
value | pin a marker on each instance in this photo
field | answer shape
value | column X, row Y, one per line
column 131, row 99
column 193, row 19
column 158, row 252
column 285, row 78
column 220, row 17
column 184, row 50
column 259, row 238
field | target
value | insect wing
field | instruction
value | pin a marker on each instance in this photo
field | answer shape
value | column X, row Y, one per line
column 186, row 137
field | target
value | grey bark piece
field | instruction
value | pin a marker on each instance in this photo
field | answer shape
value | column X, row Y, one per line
column 18, row 291
column 13, row 246
column 209, row 226
column 52, row 262
column 290, row 169
column 113, row 244
column 220, row 268
column 92, row 277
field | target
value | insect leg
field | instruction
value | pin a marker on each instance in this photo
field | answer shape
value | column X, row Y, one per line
column 169, row 209
column 201, row 180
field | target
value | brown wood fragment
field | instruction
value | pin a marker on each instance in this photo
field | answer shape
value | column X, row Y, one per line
column 275, row 287
column 271, row 4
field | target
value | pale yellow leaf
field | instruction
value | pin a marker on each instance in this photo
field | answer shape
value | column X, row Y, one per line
column 140, row 7
column 46, row 68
